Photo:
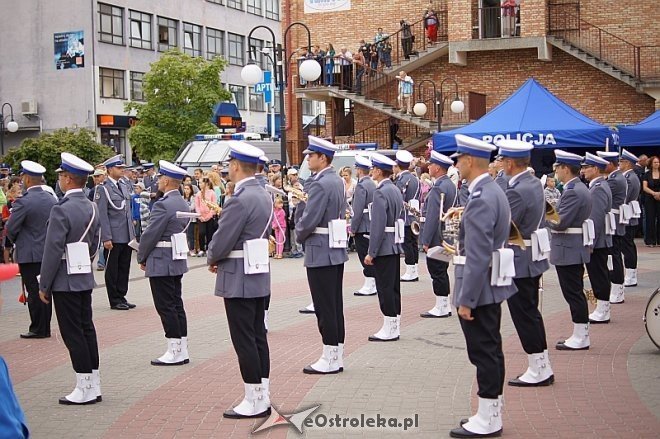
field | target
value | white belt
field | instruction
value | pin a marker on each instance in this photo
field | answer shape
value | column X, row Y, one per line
column 320, row 231
column 527, row 242
column 458, row 260
column 389, row 229
column 235, row 254
column 365, row 210
column 614, row 211
column 164, row 244
column 569, row 231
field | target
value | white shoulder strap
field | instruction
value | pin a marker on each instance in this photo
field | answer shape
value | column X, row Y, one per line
column 90, row 223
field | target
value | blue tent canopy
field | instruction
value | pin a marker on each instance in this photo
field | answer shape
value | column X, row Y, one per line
column 535, row 115
column 645, row 133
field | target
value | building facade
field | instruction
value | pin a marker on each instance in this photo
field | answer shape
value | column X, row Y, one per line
column 75, row 63
column 601, row 57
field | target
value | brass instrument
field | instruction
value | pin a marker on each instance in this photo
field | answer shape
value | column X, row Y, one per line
column 452, row 220
column 213, row 206
column 589, row 292
column 515, row 237
column 415, row 227
column 296, row 193
column 551, row 215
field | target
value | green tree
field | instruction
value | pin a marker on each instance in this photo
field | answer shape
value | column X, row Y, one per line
column 180, row 92
column 46, row 150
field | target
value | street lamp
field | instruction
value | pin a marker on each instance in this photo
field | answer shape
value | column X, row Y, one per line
column 12, row 125
column 457, row 106
column 309, row 70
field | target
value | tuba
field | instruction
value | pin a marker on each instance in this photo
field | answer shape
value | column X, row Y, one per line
column 551, row 215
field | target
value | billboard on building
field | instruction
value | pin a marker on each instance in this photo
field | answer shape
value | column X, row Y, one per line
column 69, row 50
column 313, row 6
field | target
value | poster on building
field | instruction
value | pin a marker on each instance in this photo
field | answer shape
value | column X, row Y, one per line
column 314, row 6
column 69, row 50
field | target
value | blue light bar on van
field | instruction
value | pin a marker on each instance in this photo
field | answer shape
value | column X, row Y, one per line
column 219, row 137
column 361, row 146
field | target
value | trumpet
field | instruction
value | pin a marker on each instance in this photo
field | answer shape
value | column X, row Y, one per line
column 551, row 215
column 213, row 206
column 415, row 227
column 296, row 193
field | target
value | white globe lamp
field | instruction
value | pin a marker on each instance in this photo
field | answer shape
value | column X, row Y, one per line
column 457, row 106
column 420, row 109
column 251, row 74
column 12, row 126
column 310, row 70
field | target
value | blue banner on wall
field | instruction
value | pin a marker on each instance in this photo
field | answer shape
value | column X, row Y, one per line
column 69, row 50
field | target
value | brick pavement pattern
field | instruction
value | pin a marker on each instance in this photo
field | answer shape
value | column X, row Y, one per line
column 607, row 391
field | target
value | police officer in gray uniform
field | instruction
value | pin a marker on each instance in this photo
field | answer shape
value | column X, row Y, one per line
column 150, row 182
column 360, row 222
column 384, row 251
column 618, row 186
column 325, row 265
column 567, row 250
column 113, row 198
column 260, row 175
column 245, row 216
column 527, row 203
column 408, row 184
column 26, row 228
column 593, row 169
column 439, row 200
column 629, row 250
column 74, row 219
column 155, row 256
column 484, row 229
column 463, row 193
column 501, row 178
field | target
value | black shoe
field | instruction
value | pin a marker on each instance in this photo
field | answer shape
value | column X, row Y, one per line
column 462, row 432
column 358, row 293
column 306, row 311
column 231, row 414
column 518, row 383
column 34, row 335
column 598, row 322
column 374, row 338
column 311, row 371
column 428, row 315
column 130, row 305
column 65, row 401
column 120, row 307
column 410, row 280
column 160, row 363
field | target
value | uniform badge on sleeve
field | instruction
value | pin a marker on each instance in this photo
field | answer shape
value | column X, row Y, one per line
column 98, row 195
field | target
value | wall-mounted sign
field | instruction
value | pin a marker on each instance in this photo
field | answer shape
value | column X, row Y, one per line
column 69, row 50
column 314, row 6
column 109, row 120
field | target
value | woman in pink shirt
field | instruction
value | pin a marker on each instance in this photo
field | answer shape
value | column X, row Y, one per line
column 204, row 198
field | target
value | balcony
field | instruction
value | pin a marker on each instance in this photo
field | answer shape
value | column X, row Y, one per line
column 496, row 22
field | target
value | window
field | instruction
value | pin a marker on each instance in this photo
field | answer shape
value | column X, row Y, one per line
column 256, row 101
column 239, row 94
column 168, row 34
column 236, row 4
column 256, row 54
column 136, row 86
column 192, row 39
column 307, row 107
column 215, row 43
column 273, row 9
column 254, row 6
column 112, row 83
column 140, row 28
column 111, row 24
column 236, row 49
column 219, row 2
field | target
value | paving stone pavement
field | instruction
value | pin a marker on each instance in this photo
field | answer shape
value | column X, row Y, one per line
column 612, row 390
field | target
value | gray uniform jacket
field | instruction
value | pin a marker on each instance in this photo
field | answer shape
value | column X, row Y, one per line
column 245, row 216
column 151, row 185
column 26, row 226
column 527, row 202
column 408, row 184
column 385, row 210
column 261, row 179
column 325, row 202
column 67, row 223
column 116, row 224
column 431, row 230
column 502, row 180
column 363, row 195
column 463, row 194
column 601, row 204
column 163, row 223
column 618, row 183
column 573, row 208
column 634, row 187
column 484, row 228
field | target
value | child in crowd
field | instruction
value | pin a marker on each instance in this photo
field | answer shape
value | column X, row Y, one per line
column 551, row 192
column 279, row 226
column 136, row 201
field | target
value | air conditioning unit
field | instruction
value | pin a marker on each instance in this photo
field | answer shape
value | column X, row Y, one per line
column 29, row 107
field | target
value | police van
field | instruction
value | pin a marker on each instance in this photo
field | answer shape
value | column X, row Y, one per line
column 206, row 150
column 346, row 156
